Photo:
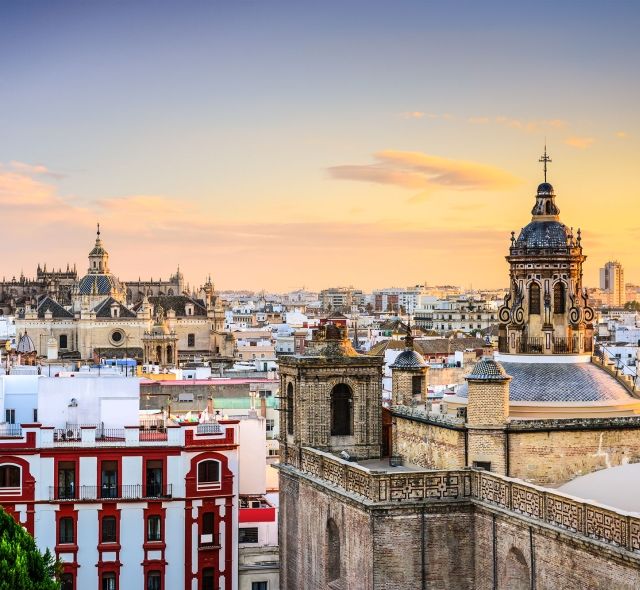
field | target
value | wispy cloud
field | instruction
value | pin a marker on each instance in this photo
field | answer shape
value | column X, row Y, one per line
column 534, row 126
column 419, row 171
column 581, row 143
column 412, row 115
column 622, row 134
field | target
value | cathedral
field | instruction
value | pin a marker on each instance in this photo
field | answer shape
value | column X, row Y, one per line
column 98, row 316
column 466, row 497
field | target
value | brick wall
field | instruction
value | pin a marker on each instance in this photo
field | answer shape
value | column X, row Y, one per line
column 428, row 445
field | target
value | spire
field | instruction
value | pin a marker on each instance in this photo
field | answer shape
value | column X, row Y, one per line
column 544, row 159
column 408, row 339
column 98, row 232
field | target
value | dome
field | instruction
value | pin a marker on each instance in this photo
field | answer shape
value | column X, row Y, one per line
column 25, row 344
column 488, row 370
column 545, row 188
column 543, row 234
column 98, row 250
column 555, row 382
column 99, row 284
column 408, row 359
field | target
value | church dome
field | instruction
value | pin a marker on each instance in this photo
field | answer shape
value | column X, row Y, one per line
column 25, row 344
column 99, row 284
column 543, row 234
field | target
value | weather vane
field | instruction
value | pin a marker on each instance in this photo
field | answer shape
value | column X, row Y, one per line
column 545, row 159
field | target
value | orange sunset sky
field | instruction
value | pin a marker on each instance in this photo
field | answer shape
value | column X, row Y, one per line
column 283, row 144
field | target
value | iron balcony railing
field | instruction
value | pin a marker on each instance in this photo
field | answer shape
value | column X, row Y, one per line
column 10, row 431
column 209, row 428
column 110, row 492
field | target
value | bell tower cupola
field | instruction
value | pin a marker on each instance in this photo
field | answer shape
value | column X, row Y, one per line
column 98, row 257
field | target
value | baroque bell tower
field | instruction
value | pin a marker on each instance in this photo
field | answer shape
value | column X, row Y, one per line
column 546, row 310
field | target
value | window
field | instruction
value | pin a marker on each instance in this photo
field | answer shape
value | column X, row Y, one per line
column 208, row 519
column 153, row 581
column 290, row 408
column 341, row 415
column 109, row 581
column 558, row 298
column 207, row 579
column 208, row 472
column 416, row 384
column 154, row 531
column 66, row 480
column 191, row 340
column 486, row 465
column 35, row 414
column 534, row 299
column 109, row 529
column 66, row 582
column 109, row 479
column 333, row 560
column 9, row 476
column 10, row 416
column 65, row 532
column 259, row 586
column 62, row 339
column 270, row 424
column 248, row 535
column 154, row 479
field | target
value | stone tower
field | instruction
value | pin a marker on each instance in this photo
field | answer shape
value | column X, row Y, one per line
column 546, row 310
column 487, row 413
column 331, row 398
column 409, row 374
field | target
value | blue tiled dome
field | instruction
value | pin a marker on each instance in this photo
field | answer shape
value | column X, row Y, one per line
column 543, row 234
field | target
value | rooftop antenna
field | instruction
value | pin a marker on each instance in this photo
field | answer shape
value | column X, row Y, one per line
column 545, row 159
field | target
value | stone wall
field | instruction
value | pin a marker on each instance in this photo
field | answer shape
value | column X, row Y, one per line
column 556, row 456
column 428, row 445
column 462, row 529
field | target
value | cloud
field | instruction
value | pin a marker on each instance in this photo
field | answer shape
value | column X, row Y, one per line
column 20, row 187
column 621, row 134
column 415, row 170
column 478, row 120
column 581, row 143
column 534, row 126
column 412, row 115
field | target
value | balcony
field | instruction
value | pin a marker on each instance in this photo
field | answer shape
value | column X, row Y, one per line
column 209, row 428
column 110, row 492
column 10, row 431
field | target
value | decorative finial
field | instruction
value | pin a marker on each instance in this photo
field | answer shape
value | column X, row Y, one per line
column 98, row 233
column 545, row 159
column 513, row 238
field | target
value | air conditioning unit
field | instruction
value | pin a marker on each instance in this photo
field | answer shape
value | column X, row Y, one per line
column 255, row 503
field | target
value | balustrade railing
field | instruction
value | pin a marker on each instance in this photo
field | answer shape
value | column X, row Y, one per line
column 10, row 431
column 110, row 491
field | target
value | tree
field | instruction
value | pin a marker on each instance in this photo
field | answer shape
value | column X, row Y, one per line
column 22, row 566
column 632, row 305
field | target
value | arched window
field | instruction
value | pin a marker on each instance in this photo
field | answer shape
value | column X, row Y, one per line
column 517, row 576
column 534, row 299
column 290, row 408
column 208, row 474
column 333, row 560
column 547, row 208
column 169, row 355
column 341, row 411
column 9, row 476
column 558, row 298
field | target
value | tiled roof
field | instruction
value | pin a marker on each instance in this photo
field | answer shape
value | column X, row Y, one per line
column 49, row 304
column 408, row 359
column 488, row 370
column 177, row 303
column 103, row 309
column 543, row 234
column 559, row 382
column 431, row 346
column 104, row 284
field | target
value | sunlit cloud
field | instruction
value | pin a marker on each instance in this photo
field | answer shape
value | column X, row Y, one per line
column 621, row 134
column 479, row 120
column 412, row 115
column 534, row 126
column 416, row 170
column 581, row 143
column 20, row 187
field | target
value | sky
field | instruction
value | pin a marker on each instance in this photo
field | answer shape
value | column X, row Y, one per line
column 279, row 145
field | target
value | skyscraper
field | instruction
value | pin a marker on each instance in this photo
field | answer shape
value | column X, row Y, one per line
column 612, row 282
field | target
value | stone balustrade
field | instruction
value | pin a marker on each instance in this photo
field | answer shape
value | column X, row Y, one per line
column 593, row 521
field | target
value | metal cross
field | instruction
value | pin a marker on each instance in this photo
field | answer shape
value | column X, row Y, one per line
column 545, row 159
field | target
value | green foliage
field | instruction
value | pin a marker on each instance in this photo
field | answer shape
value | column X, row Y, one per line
column 632, row 305
column 22, row 566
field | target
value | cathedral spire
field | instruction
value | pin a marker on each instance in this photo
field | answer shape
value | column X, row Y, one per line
column 545, row 159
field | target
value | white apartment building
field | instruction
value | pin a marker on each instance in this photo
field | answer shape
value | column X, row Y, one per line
column 463, row 315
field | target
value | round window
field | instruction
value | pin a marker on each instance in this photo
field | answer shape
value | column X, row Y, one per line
column 117, row 337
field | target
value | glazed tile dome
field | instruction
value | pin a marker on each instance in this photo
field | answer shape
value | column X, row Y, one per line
column 543, row 234
column 408, row 359
column 99, row 284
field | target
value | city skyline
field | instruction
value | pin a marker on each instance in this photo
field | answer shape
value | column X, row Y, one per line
column 343, row 145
